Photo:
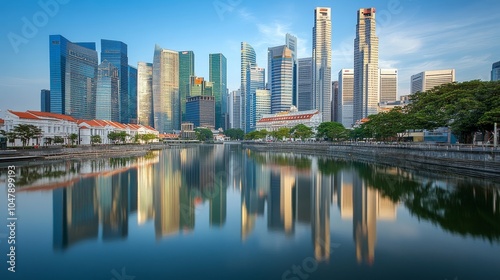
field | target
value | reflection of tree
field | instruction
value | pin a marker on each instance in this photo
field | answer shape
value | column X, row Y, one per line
column 300, row 162
column 465, row 209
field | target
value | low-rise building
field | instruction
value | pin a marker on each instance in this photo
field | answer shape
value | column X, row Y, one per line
column 272, row 122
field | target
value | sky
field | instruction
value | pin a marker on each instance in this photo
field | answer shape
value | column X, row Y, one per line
column 414, row 35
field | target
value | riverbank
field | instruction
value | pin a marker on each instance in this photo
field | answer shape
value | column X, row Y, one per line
column 456, row 159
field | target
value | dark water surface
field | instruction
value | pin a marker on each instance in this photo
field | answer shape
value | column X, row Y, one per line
column 221, row 212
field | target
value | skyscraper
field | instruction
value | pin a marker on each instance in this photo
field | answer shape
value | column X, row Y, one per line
column 132, row 94
column 495, row 71
column 116, row 53
column 248, row 58
column 145, row 93
column 427, row 80
column 200, row 111
column 255, row 81
column 388, row 85
column 366, row 95
column 186, row 70
column 166, row 103
column 235, row 101
column 345, row 101
column 305, row 84
column 45, row 100
column 107, row 92
column 335, row 98
column 322, row 61
column 73, row 77
column 291, row 43
column 218, row 76
column 280, row 81
column 262, row 103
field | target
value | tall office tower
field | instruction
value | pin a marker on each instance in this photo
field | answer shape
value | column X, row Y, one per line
column 255, row 81
column 145, row 93
column 107, row 92
column 345, row 99
column 200, row 110
column 305, row 84
column 45, row 100
column 166, row 103
column 335, row 98
column 218, row 76
column 388, row 84
column 262, row 103
column 132, row 94
column 248, row 59
column 116, row 53
column 186, row 70
column 366, row 95
column 427, row 80
column 73, row 77
column 495, row 71
column 322, row 62
column 291, row 43
column 235, row 100
column 196, row 86
column 280, row 79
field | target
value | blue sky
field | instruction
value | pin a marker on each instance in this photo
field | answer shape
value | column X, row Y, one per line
column 414, row 35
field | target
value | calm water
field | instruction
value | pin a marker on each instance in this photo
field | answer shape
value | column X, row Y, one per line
column 220, row 212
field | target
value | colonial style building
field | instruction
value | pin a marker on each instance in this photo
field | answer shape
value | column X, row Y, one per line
column 272, row 122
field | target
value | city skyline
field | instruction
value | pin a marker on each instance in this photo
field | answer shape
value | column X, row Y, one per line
column 407, row 41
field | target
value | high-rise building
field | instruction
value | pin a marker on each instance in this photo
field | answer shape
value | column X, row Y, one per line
column 255, row 81
column 335, row 98
column 427, row 80
column 218, row 76
column 388, row 85
column 345, row 98
column 196, row 86
column 145, row 93
column 132, row 94
column 186, row 70
column 166, row 103
column 248, row 59
column 200, row 110
column 235, row 111
column 262, row 103
column 291, row 43
column 45, row 100
column 305, row 84
column 73, row 77
column 116, row 53
column 495, row 71
column 366, row 95
column 280, row 79
column 322, row 61
column 107, row 92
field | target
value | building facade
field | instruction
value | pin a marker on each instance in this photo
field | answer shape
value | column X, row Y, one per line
column 388, row 85
column 255, row 81
column 45, row 100
column 272, row 122
column 322, row 61
column 218, row 76
column 345, row 99
column 235, row 108
column 107, row 98
column 427, row 80
column 291, row 43
column 73, row 77
column 132, row 94
column 186, row 70
column 166, row 103
column 335, row 98
column 145, row 93
column 262, row 103
column 280, row 78
column 366, row 88
column 116, row 53
column 305, row 84
column 248, row 59
column 200, row 110
column 495, row 71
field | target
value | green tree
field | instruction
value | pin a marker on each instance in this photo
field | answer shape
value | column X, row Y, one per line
column 255, row 135
column 204, row 134
column 148, row 137
column 235, row 133
column 387, row 125
column 281, row 133
column 332, row 131
column 73, row 137
column 95, row 139
column 302, row 131
column 118, row 136
column 26, row 132
column 58, row 140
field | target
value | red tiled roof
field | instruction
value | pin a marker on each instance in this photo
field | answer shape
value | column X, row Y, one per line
column 84, row 127
column 286, row 118
column 2, row 121
column 24, row 115
column 52, row 115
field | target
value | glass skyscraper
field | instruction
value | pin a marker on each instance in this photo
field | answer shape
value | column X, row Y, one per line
column 495, row 71
column 291, row 43
column 281, row 67
column 45, row 100
column 255, row 81
column 248, row 59
column 218, row 76
column 166, row 103
column 322, row 61
column 186, row 70
column 107, row 92
column 145, row 93
column 305, row 87
column 116, row 53
column 132, row 94
column 73, row 77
